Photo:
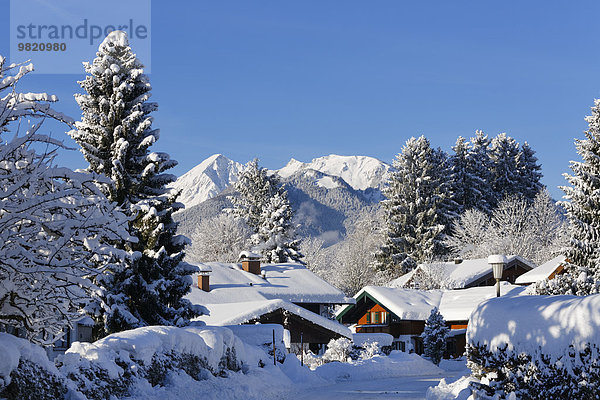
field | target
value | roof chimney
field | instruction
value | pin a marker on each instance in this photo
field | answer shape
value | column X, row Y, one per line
column 204, row 277
column 458, row 260
column 250, row 262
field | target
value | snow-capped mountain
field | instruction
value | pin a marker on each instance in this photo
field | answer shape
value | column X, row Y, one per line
column 324, row 192
column 216, row 173
column 207, row 179
column 360, row 172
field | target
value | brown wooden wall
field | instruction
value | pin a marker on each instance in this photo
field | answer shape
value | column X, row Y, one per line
column 364, row 320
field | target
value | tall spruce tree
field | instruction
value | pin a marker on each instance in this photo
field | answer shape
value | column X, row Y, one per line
column 254, row 190
column 276, row 237
column 504, row 152
column 467, row 182
column 480, row 164
column 263, row 203
column 115, row 134
column 529, row 173
column 412, row 210
column 582, row 274
column 449, row 209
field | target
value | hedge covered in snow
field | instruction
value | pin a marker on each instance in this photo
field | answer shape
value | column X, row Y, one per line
column 123, row 362
column 536, row 347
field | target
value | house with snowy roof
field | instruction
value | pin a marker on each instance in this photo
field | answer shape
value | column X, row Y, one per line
column 402, row 313
column 287, row 294
column 547, row 270
column 462, row 274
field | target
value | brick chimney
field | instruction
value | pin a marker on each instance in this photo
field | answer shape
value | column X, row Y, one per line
column 204, row 278
column 250, row 262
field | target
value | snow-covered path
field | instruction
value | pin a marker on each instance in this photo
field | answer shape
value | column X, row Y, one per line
column 407, row 387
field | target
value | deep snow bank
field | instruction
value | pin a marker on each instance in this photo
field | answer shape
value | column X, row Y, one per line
column 536, row 324
column 170, row 363
column 538, row 347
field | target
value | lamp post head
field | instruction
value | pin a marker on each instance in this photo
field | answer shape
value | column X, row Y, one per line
column 497, row 261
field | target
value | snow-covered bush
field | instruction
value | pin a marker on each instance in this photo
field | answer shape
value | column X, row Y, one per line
column 116, row 364
column 338, row 350
column 26, row 373
column 370, row 349
column 434, row 336
column 536, row 347
column 311, row 360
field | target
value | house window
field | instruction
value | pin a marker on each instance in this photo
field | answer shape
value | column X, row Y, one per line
column 368, row 318
column 384, row 317
column 375, row 317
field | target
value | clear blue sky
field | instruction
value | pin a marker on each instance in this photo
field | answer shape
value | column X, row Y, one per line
column 276, row 80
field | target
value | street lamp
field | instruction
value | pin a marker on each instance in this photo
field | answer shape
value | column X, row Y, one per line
column 497, row 261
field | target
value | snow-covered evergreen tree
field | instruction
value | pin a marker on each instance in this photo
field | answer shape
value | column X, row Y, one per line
column 115, row 134
column 55, row 224
column 505, row 179
column 276, row 237
column 434, row 336
column 255, row 188
column 448, row 209
column 480, row 165
column 467, row 178
column 582, row 276
column 529, row 172
column 413, row 229
column 263, row 204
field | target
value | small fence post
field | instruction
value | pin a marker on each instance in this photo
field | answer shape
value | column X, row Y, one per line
column 274, row 355
column 301, row 350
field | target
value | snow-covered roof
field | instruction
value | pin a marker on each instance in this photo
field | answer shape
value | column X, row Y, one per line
column 239, row 313
column 416, row 305
column 408, row 304
column 249, row 255
column 457, row 305
column 459, row 275
column 542, row 272
column 85, row 321
column 403, row 280
column 295, row 283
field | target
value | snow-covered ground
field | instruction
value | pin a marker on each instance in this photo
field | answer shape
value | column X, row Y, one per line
column 169, row 363
column 386, row 382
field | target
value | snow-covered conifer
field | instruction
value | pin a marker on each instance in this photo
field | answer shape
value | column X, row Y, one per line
column 276, row 237
column 529, row 172
column 263, row 204
column 480, row 165
column 254, row 188
column 434, row 336
column 466, row 179
column 582, row 275
column 413, row 231
column 115, row 134
column 505, row 179
column 448, row 208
